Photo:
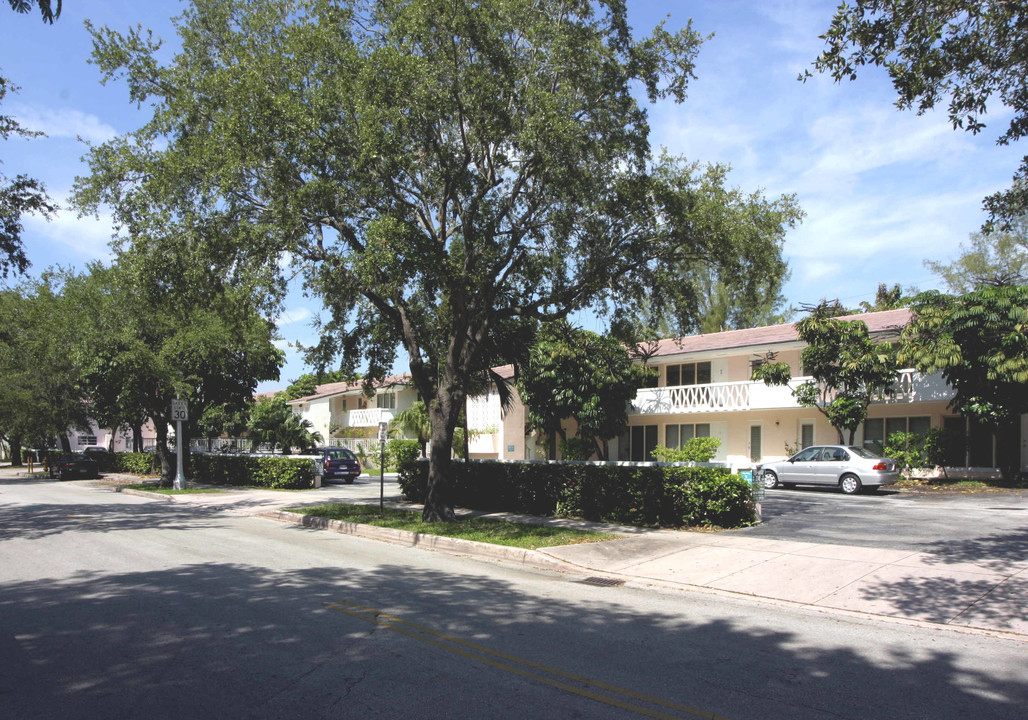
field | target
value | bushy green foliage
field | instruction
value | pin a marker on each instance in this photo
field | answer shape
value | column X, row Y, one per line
column 256, row 471
column 647, row 495
column 697, row 449
column 913, row 451
column 720, row 501
column 137, row 463
column 402, row 453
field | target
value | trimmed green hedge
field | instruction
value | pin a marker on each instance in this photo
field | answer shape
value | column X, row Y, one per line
column 626, row 494
column 255, row 471
column 138, row 463
column 279, row 472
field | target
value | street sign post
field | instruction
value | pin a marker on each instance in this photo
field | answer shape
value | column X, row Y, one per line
column 382, row 426
column 179, row 413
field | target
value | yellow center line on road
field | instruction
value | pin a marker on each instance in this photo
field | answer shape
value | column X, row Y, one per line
column 516, row 665
column 83, row 520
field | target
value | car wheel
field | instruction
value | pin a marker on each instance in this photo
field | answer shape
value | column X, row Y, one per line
column 850, row 484
column 769, row 479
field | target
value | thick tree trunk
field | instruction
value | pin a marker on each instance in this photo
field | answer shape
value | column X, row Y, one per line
column 16, row 451
column 164, row 455
column 65, row 443
column 443, row 412
column 137, row 437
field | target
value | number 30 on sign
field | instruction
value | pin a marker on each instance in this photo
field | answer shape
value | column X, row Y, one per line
column 179, row 410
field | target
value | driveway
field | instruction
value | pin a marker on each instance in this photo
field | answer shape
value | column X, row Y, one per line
column 900, row 520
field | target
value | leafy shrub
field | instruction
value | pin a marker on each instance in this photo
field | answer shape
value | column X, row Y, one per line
column 137, row 463
column 576, row 449
column 697, row 449
column 256, row 471
column 721, row 501
column 627, row 494
column 401, row 453
column 913, row 451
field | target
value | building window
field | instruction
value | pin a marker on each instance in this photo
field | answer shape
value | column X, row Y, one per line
column 87, row 439
column 756, row 444
column 806, row 435
column 688, row 374
column 676, row 436
column 637, row 443
column 878, row 430
column 386, row 400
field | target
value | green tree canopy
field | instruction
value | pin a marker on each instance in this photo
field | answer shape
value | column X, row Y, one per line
column 40, row 392
column 443, row 171
column 169, row 321
column 848, row 369
column 970, row 52
column 273, row 422
column 577, row 374
column 978, row 341
column 18, row 195
column 996, row 258
column 887, row 298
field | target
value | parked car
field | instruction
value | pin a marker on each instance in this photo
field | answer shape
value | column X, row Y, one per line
column 849, row 467
column 337, row 462
column 74, row 465
column 103, row 457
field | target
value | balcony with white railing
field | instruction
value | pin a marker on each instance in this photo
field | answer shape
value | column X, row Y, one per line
column 367, row 417
column 911, row 386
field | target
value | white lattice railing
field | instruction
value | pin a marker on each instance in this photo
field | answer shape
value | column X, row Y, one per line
column 911, row 386
column 368, row 417
column 692, row 398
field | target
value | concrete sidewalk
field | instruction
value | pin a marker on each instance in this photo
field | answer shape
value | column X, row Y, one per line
column 985, row 590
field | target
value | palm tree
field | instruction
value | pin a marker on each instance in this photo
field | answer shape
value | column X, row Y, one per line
column 414, row 422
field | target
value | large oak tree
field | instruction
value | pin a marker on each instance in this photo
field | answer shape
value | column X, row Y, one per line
column 442, row 171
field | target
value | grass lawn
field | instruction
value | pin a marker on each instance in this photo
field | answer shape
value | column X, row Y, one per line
column 149, row 487
column 497, row 532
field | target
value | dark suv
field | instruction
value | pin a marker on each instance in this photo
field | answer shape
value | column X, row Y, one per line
column 338, row 463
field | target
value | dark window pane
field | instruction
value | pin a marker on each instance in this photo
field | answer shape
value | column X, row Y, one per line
column 702, row 373
column 674, row 375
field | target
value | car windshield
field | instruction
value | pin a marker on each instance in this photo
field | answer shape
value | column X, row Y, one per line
column 861, row 452
column 74, row 457
column 339, row 454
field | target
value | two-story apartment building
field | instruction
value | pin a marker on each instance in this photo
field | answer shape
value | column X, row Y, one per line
column 703, row 388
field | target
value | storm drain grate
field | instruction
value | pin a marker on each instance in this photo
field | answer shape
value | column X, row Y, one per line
column 602, row 582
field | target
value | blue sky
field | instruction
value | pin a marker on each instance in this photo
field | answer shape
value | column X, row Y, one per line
column 883, row 190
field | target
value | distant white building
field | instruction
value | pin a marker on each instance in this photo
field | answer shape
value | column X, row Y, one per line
column 702, row 388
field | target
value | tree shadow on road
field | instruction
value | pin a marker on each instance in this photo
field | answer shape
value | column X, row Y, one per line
column 234, row 640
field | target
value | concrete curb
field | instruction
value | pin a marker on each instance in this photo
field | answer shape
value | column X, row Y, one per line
column 144, row 493
column 453, row 546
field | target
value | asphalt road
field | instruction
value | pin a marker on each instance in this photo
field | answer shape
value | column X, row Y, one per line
column 115, row 606
column 928, row 522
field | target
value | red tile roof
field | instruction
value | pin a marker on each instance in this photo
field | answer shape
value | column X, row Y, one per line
column 342, row 387
column 877, row 322
column 886, row 321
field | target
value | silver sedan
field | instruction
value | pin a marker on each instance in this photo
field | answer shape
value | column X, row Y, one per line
column 846, row 466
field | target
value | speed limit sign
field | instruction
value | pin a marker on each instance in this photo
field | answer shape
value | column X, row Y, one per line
column 179, row 411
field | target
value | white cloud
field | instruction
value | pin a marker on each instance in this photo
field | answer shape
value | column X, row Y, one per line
column 87, row 238
column 295, row 315
column 65, row 123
